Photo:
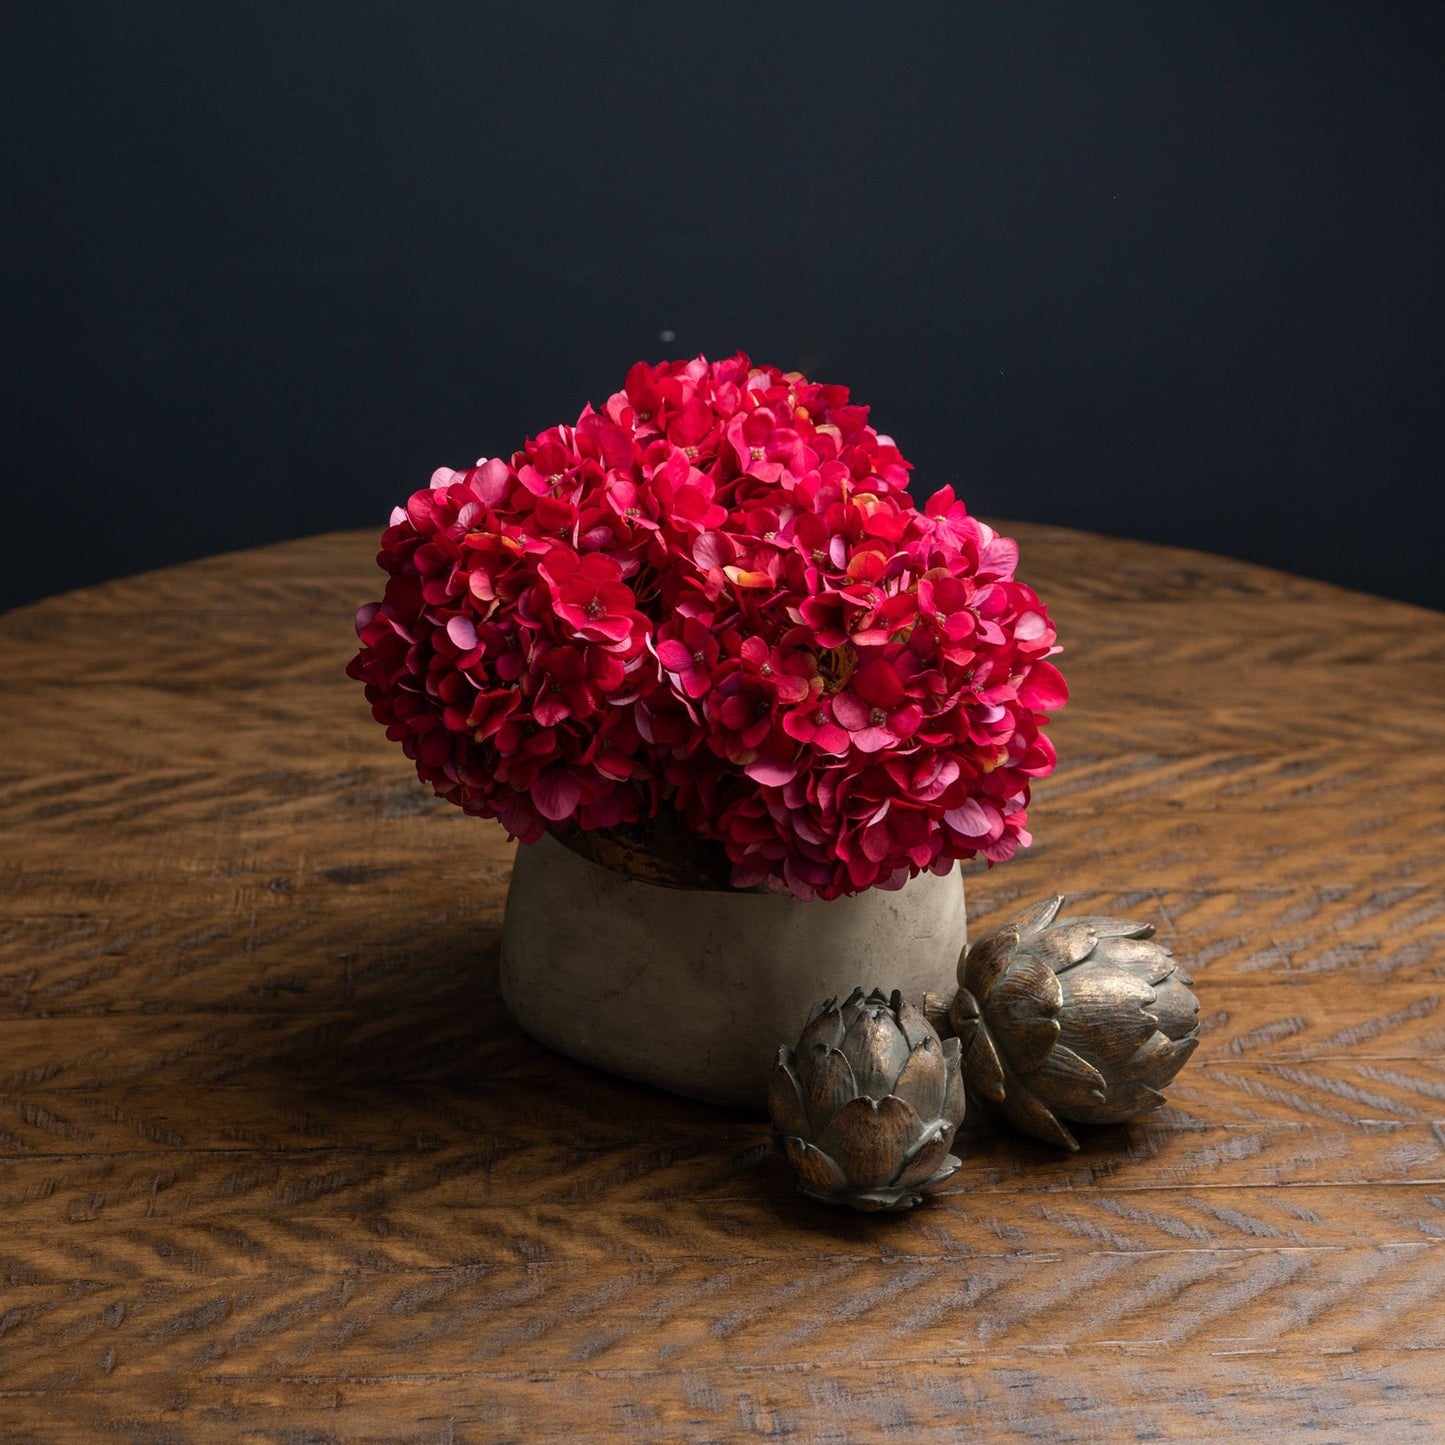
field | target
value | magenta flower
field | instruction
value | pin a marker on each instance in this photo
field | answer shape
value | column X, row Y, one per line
column 813, row 723
column 588, row 595
column 689, row 652
column 876, row 710
column 573, row 682
column 713, row 594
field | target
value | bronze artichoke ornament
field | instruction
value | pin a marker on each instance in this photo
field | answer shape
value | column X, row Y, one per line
column 1080, row 1019
column 867, row 1105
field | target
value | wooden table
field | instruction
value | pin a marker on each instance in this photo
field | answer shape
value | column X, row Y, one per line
column 275, row 1165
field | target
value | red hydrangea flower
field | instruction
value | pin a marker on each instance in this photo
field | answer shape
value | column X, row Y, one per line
column 714, row 594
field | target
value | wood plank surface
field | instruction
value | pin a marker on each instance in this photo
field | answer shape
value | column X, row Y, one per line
column 276, row 1166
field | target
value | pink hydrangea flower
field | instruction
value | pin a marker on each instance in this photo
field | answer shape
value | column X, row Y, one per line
column 714, row 594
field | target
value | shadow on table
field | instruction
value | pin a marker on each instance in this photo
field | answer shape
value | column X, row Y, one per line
column 411, row 1055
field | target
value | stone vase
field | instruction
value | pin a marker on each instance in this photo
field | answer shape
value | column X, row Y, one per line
column 694, row 989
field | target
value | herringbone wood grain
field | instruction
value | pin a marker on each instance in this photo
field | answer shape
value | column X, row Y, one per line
column 275, row 1165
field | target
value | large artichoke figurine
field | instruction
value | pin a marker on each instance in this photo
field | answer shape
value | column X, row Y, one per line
column 1072, row 1018
column 867, row 1104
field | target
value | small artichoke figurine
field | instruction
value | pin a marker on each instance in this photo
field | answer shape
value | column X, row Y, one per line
column 867, row 1104
column 1072, row 1018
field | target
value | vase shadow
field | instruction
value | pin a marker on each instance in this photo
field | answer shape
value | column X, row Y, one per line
column 417, row 1032
column 416, row 1061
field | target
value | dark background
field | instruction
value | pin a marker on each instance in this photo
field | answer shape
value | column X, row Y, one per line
column 1170, row 271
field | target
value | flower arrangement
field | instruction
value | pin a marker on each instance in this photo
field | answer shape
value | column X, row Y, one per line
column 716, row 596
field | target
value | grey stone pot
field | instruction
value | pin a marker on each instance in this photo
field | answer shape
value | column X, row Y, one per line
column 694, row 990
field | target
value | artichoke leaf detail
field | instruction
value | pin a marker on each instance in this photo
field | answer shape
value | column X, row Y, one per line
column 866, row 1106
column 1071, row 1020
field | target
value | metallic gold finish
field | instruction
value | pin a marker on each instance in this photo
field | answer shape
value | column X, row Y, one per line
column 866, row 1106
column 1079, row 1019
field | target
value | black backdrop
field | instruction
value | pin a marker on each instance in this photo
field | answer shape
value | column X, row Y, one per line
column 1165, row 270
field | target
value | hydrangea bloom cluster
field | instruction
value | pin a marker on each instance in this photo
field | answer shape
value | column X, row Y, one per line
column 716, row 595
